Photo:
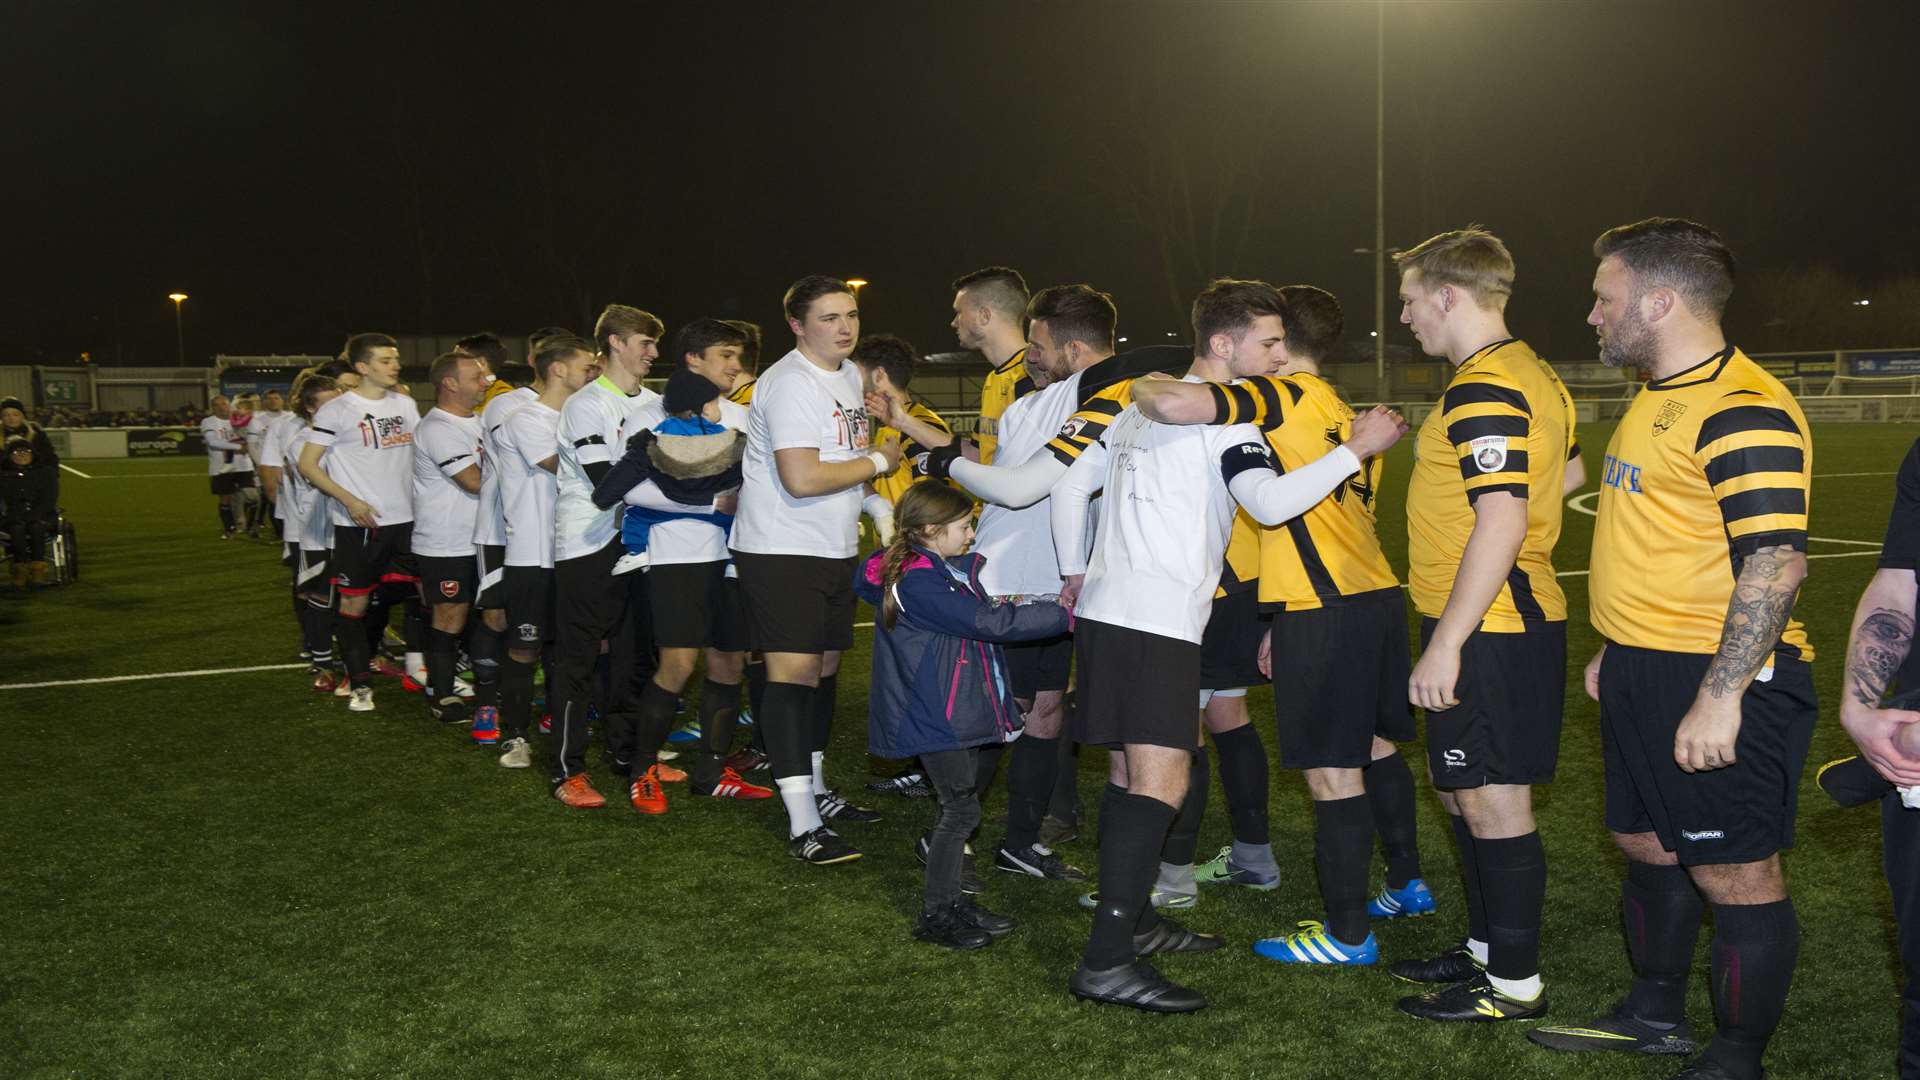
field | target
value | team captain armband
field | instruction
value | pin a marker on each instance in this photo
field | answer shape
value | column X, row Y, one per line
column 1241, row 457
column 1487, row 423
column 1755, row 459
column 1262, row 401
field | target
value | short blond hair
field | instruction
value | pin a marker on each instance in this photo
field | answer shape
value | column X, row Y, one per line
column 619, row 320
column 1471, row 258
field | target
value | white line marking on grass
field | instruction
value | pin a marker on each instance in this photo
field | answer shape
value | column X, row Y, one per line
column 1829, row 555
column 149, row 476
column 156, row 675
column 1832, row 475
column 1874, row 544
column 75, row 471
column 1583, row 503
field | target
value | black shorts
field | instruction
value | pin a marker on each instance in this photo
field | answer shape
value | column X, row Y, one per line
column 1230, row 646
column 1506, row 729
column 289, row 554
column 364, row 559
column 1037, row 666
column 447, row 579
column 1135, row 687
column 1741, row 813
column 313, row 573
column 696, row 606
column 797, row 603
column 1340, row 678
column 491, row 563
column 227, row 483
column 528, row 591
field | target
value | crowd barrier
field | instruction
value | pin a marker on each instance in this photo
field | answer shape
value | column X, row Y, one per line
column 127, row 442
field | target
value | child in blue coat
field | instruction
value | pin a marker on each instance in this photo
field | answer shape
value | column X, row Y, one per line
column 940, row 689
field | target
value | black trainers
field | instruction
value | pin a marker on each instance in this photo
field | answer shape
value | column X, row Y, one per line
column 945, row 927
column 834, row 808
column 970, row 882
column 1168, row 936
column 1619, row 1031
column 1705, row 1068
column 1473, row 1001
column 912, row 785
column 980, row 918
column 1455, row 965
column 449, row 710
column 1037, row 860
column 1135, row 985
column 821, row 847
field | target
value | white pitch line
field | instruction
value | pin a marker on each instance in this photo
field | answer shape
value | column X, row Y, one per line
column 1835, row 540
column 149, row 476
column 75, row 471
column 156, row 675
column 1833, row 475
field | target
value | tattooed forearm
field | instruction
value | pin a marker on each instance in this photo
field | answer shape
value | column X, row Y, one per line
column 1762, row 599
column 1880, row 646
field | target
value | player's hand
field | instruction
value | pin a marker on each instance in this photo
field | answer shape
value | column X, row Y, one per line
column 1431, row 686
column 970, row 450
column 890, row 451
column 361, row 513
column 1264, row 658
column 727, row 502
column 1707, row 734
column 1880, row 734
column 1070, row 590
column 1375, row 431
column 880, row 407
column 1593, row 674
column 939, row 461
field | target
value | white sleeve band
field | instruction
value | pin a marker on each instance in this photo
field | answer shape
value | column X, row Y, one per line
column 880, row 466
column 1276, row 497
column 881, row 511
column 1013, row 486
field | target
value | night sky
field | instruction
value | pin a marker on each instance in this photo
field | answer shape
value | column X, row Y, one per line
column 305, row 171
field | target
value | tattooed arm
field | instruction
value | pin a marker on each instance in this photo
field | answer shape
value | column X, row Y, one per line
column 1757, row 613
column 1883, row 626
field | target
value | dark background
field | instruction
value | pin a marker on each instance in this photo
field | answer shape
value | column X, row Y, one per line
column 304, row 171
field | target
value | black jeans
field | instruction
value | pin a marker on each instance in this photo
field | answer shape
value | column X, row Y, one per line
column 955, row 777
column 1900, row 839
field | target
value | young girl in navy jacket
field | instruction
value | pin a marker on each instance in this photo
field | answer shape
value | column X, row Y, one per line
column 940, row 689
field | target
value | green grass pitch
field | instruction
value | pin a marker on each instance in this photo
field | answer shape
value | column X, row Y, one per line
column 225, row 876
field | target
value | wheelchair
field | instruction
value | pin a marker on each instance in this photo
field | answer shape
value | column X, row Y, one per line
column 63, row 550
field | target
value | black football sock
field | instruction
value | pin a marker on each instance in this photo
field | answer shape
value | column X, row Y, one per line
column 1244, row 780
column 1031, row 767
column 1342, row 850
column 1755, row 948
column 413, row 623
column 226, row 517
column 1660, row 912
column 1470, row 878
column 374, row 625
column 1183, row 836
column 756, row 694
column 1390, row 791
column 354, row 653
column 316, row 629
column 825, row 697
column 443, row 652
column 1065, row 804
column 1513, row 877
column 719, row 705
column 516, row 697
column 483, row 648
column 786, row 714
column 1132, row 828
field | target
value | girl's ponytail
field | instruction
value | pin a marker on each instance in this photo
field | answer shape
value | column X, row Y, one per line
column 897, row 553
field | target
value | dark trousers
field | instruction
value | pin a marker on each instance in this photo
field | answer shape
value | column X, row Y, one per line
column 1900, row 840
column 27, row 534
column 955, row 776
column 593, row 606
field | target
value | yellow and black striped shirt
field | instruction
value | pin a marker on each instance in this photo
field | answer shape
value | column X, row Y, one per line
column 1106, row 389
column 913, row 456
column 1707, row 467
column 1005, row 385
column 1505, row 423
column 1331, row 552
column 744, row 395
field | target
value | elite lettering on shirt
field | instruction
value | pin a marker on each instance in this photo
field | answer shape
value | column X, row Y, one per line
column 384, row 432
column 1623, row 475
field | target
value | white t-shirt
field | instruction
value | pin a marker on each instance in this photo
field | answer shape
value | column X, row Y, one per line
column 258, row 431
column 273, row 454
column 489, row 526
column 1163, row 533
column 370, row 452
column 226, row 450
column 1018, row 544
column 674, row 542
column 443, row 511
column 593, row 430
column 531, row 435
column 796, row 405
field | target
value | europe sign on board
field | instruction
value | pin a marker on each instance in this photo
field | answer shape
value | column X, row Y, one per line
column 164, row 442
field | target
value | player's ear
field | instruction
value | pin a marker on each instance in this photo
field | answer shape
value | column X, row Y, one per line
column 1659, row 303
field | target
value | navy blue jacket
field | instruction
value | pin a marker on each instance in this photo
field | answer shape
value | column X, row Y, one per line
column 940, row 676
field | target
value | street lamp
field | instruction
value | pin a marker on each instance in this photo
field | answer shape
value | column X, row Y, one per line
column 179, row 327
column 857, row 283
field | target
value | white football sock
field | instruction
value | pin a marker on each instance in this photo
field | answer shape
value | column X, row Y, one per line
column 819, row 772
column 803, row 814
column 1526, row 989
column 1479, row 950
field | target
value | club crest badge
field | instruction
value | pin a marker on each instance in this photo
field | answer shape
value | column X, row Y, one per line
column 449, row 589
column 1489, row 453
column 1670, row 411
column 1072, row 427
